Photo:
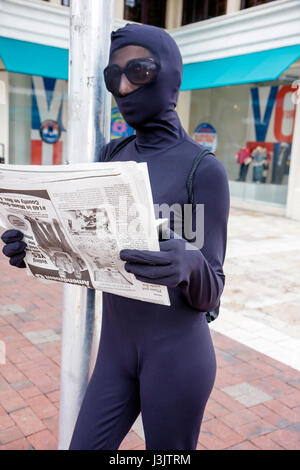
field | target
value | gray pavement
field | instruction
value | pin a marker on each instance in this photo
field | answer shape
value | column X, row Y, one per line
column 261, row 301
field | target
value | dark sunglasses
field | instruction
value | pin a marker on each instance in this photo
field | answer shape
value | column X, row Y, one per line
column 137, row 71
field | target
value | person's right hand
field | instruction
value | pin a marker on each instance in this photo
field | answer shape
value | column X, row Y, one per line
column 14, row 247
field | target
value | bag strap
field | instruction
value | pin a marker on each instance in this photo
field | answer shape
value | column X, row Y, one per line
column 119, row 147
column 189, row 183
column 212, row 315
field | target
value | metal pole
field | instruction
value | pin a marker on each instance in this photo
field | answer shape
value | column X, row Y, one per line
column 89, row 107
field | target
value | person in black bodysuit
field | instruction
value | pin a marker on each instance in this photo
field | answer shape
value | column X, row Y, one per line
column 155, row 359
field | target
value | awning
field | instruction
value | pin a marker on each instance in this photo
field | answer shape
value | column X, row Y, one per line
column 34, row 59
column 47, row 61
column 247, row 68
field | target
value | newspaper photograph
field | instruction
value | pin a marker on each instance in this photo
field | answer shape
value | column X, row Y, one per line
column 77, row 218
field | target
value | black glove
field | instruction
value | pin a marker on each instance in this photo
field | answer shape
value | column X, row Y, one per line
column 14, row 248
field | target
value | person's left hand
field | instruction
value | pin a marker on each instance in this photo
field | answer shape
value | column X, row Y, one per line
column 168, row 267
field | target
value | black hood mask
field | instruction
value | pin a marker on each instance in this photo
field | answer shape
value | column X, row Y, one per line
column 150, row 109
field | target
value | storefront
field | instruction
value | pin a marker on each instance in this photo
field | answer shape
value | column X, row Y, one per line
column 33, row 109
column 239, row 98
column 249, row 126
column 37, row 119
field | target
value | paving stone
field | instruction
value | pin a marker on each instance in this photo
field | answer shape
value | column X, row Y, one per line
column 54, row 397
column 285, row 438
column 52, row 424
column 42, row 336
column 246, row 445
column 139, row 447
column 256, row 428
column 253, row 399
column 200, row 447
column 216, row 409
column 31, row 307
column 10, row 434
column 265, row 443
column 20, row 444
column 21, row 385
column 273, row 386
column 10, row 400
column 269, row 416
column 225, row 379
column 25, row 316
column 217, row 428
column 9, row 309
column 27, row 421
column 43, row 440
column 234, row 420
column 294, row 427
column 211, row 442
column 291, row 400
column 247, row 394
column 225, row 359
column 131, row 441
column 12, row 373
column 226, row 401
column 42, row 406
column 292, row 414
column 6, row 422
column 261, row 365
column 29, row 392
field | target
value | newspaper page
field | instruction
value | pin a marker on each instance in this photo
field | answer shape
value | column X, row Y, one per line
column 77, row 218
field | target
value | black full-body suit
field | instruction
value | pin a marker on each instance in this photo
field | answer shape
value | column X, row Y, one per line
column 155, row 359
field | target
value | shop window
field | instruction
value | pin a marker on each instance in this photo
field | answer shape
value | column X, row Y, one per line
column 146, row 11
column 253, row 3
column 250, row 129
column 195, row 10
column 37, row 119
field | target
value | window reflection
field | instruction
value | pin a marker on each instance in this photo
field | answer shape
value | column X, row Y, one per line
column 250, row 129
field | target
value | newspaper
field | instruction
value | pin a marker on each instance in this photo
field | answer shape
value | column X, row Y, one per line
column 77, row 218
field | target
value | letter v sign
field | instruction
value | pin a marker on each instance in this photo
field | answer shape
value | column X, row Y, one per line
column 48, row 103
column 261, row 127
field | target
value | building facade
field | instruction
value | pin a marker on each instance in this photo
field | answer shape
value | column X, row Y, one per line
column 239, row 95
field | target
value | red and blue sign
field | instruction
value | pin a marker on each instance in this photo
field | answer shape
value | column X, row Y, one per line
column 272, row 111
column 206, row 135
column 276, row 123
column 50, row 131
column 48, row 111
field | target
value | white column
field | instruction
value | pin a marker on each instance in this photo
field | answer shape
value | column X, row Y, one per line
column 173, row 14
column 183, row 108
column 4, row 116
column 119, row 9
column 89, row 111
column 233, row 6
column 293, row 197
